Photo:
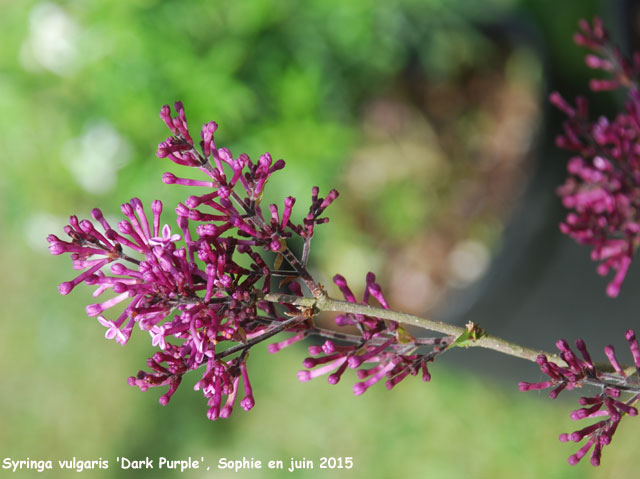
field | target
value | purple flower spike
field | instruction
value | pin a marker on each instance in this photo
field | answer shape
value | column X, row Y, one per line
column 199, row 291
column 248, row 402
column 394, row 359
column 66, row 287
column 611, row 356
column 165, row 114
column 96, row 309
column 561, row 104
column 207, row 138
column 524, row 386
column 360, row 388
column 580, row 346
column 605, row 404
column 226, row 411
column 602, row 188
column 341, row 283
column 275, row 347
column 630, row 336
column 173, row 387
column 335, row 377
column 289, row 201
column 575, row 458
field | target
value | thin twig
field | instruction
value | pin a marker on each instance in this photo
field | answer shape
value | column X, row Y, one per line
column 258, row 339
column 325, row 303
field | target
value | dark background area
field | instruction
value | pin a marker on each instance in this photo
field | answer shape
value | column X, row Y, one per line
column 541, row 285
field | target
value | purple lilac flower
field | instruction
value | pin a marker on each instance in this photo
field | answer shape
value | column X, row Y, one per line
column 188, row 286
column 385, row 351
column 602, row 190
column 199, row 288
column 606, row 405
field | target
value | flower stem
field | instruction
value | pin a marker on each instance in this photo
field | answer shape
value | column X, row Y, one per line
column 271, row 332
column 326, row 303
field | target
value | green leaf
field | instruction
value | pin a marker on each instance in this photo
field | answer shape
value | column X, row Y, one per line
column 471, row 335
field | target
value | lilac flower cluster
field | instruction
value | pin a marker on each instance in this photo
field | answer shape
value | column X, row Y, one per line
column 392, row 351
column 602, row 189
column 607, row 404
column 205, row 287
column 196, row 295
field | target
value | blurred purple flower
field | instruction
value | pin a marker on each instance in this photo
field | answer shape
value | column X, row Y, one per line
column 603, row 187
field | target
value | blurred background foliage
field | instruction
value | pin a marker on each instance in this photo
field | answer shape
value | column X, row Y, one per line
column 423, row 113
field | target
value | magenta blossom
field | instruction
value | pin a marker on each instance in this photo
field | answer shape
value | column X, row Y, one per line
column 201, row 293
column 606, row 405
column 602, row 191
